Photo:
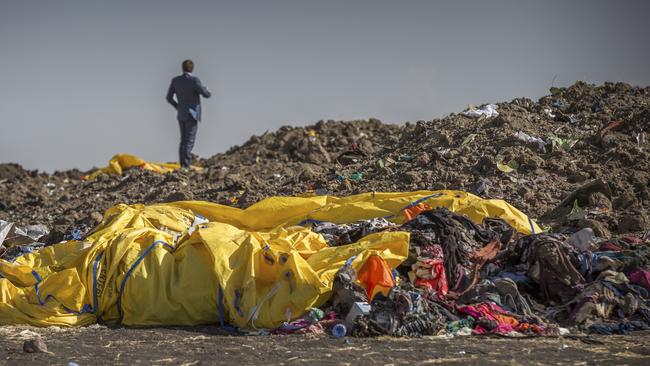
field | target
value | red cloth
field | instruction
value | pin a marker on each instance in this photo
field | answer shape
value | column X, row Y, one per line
column 641, row 278
column 609, row 247
column 632, row 240
column 438, row 279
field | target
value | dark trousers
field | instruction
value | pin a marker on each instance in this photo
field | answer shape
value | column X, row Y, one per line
column 188, row 136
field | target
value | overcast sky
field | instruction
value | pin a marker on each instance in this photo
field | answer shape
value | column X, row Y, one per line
column 83, row 80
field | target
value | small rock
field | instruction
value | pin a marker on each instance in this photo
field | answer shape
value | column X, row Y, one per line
column 422, row 159
column 480, row 187
column 235, row 181
column 412, row 177
column 438, row 186
column 600, row 201
column 530, row 162
column 34, row 345
column 308, row 174
column 178, row 196
column 633, row 222
column 522, row 191
column 625, row 200
column 577, row 177
column 598, row 227
column 96, row 217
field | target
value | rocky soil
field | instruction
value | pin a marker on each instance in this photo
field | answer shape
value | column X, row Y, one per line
column 590, row 166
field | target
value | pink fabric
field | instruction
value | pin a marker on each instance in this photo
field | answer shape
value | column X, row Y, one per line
column 490, row 311
column 641, row 278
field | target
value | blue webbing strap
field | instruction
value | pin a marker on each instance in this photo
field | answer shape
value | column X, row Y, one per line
column 95, row 295
column 133, row 266
column 85, row 308
column 221, row 322
column 532, row 227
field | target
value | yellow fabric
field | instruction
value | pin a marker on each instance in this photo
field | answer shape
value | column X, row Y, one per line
column 121, row 162
column 143, row 262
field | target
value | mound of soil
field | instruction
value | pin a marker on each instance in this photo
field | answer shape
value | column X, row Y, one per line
column 586, row 164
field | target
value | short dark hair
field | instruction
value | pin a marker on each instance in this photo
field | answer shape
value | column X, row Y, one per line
column 188, row 66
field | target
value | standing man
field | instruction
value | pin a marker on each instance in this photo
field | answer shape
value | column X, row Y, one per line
column 188, row 90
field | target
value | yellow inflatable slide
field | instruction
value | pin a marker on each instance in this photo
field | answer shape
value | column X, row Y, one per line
column 122, row 162
column 188, row 263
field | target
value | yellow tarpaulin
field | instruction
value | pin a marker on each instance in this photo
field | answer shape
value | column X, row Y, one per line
column 121, row 162
column 254, row 268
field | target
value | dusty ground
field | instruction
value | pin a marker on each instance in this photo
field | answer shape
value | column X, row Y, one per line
column 97, row 345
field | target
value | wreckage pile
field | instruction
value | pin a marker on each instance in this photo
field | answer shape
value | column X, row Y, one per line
column 462, row 278
column 576, row 161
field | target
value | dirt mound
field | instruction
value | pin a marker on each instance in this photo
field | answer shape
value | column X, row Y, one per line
column 575, row 158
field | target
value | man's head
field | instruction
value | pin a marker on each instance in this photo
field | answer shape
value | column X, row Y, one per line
column 188, row 66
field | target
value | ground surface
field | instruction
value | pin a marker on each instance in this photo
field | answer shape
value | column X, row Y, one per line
column 96, row 345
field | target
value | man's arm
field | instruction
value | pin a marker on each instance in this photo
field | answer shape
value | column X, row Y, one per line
column 201, row 89
column 170, row 96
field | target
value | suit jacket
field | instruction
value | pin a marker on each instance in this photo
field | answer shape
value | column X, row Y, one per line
column 188, row 90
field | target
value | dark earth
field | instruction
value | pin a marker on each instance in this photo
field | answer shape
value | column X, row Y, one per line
column 98, row 345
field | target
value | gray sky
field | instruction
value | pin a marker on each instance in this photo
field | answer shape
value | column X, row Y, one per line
column 83, row 80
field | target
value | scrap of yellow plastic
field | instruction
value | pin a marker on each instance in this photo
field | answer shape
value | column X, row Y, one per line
column 121, row 162
column 193, row 262
column 508, row 168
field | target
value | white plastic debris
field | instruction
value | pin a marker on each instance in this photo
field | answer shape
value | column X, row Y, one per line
column 198, row 220
column 549, row 112
column 488, row 110
column 522, row 136
column 358, row 309
column 5, row 228
column 582, row 239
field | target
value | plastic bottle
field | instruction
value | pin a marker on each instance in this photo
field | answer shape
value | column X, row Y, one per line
column 339, row 331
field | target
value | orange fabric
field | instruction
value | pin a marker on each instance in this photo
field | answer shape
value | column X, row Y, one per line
column 376, row 276
column 411, row 212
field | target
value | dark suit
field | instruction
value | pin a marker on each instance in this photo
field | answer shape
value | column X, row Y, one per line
column 188, row 90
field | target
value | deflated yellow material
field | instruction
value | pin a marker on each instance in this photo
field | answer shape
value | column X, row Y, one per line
column 121, row 162
column 254, row 268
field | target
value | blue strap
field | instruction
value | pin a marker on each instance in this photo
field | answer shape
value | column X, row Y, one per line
column 95, row 295
column 415, row 203
column 85, row 309
column 350, row 260
column 237, row 307
column 221, row 321
column 532, row 227
column 133, row 266
column 38, row 293
column 309, row 221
